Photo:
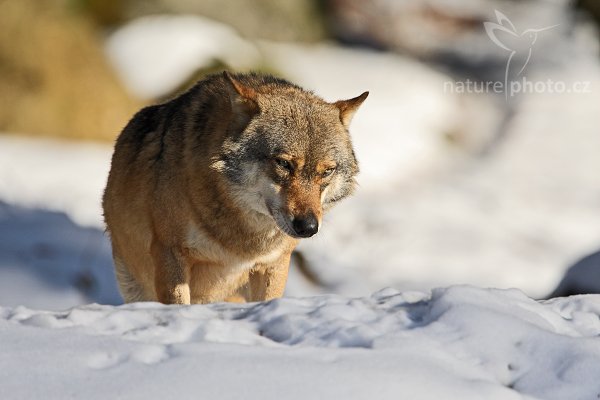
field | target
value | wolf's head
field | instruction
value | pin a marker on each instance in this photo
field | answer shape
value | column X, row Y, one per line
column 288, row 153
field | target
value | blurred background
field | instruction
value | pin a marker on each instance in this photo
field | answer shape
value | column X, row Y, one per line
column 463, row 181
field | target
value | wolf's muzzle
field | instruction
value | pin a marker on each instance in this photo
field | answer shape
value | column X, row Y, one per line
column 305, row 226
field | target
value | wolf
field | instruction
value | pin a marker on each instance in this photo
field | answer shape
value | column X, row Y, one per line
column 209, row 193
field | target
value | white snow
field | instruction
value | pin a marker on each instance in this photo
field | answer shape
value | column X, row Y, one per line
column 56, row 175
column 155, row 55
column 455, row 343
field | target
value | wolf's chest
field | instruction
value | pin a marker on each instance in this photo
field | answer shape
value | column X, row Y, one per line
column 199, row 245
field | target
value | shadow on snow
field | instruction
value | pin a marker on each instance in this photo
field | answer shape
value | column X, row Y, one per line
column 47, row 261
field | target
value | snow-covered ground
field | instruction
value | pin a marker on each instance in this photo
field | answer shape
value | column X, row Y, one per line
column 455, row 343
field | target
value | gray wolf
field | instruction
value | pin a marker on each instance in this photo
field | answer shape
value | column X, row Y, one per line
column 209, row 193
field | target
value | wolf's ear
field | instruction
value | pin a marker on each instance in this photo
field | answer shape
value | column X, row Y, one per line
column 242, row 97
column 348, row 108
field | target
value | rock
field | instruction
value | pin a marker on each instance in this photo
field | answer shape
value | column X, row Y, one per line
column 54, row 79
column 583, row 277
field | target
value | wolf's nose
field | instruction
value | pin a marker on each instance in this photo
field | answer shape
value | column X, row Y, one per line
column 305, row 226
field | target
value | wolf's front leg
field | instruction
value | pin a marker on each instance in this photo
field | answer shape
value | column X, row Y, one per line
column 267, row 281
column 171, row 276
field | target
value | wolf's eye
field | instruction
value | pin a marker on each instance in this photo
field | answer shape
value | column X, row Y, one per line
column 285, row 164
column 328, row 172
